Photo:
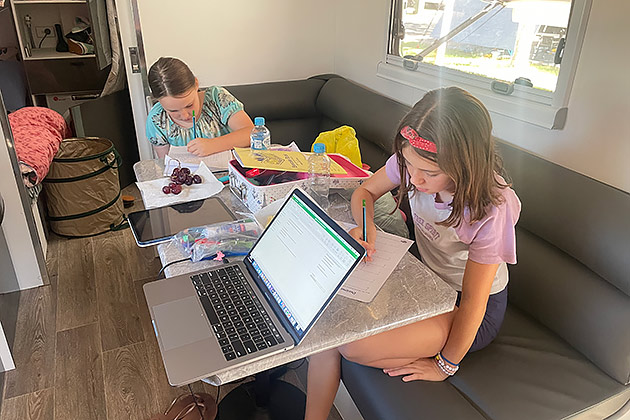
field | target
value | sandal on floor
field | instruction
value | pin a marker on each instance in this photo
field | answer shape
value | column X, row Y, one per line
column 184, row 408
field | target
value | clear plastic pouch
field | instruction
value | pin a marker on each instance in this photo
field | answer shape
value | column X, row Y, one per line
column 230, row 238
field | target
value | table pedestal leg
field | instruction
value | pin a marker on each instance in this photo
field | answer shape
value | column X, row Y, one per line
column 264, row 398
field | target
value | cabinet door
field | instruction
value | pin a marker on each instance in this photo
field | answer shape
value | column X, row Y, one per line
column 100, row 32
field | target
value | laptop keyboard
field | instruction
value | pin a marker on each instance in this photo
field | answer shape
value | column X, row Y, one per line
column 239, row 321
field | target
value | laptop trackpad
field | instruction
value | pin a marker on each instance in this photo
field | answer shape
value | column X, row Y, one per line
column 181, row 323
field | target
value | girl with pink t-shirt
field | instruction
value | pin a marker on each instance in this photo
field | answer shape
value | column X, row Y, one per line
column 464, row 215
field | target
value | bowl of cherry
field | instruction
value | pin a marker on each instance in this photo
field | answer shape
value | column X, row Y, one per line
column 179, row 178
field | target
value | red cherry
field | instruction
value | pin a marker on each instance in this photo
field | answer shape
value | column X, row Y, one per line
column 189, row 180
column 177, row 189
column 166, row 189
column 186, row 171
column 196, row 179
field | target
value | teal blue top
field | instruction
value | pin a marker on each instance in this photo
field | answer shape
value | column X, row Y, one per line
column 218, row 106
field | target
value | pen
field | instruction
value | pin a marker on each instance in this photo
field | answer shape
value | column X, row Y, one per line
column 364, row 226
column 194, row 127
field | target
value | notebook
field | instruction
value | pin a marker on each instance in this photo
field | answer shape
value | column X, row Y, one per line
column 209, row 322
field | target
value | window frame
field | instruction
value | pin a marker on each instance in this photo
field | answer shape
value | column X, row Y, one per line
column 535, row 106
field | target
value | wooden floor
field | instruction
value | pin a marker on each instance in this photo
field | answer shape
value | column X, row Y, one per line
column 84, row 347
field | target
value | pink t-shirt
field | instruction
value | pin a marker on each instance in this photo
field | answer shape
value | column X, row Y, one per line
column 445, row 250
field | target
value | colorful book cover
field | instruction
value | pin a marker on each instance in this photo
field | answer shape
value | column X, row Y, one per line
column 279, row 160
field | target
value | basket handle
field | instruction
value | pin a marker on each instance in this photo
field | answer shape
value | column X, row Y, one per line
column 115, row 163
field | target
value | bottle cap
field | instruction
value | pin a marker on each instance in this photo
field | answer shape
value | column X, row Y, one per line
column 259, row 121
column 319, row 148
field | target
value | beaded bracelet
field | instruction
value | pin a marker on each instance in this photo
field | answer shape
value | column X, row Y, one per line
column 447, row 361
column 448, row 369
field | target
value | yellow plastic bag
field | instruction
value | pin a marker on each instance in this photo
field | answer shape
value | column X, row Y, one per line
column 342, row 140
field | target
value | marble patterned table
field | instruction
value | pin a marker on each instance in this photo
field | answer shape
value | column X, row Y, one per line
column 410, row 294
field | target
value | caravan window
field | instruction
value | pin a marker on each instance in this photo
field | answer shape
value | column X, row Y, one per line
column 525, row 49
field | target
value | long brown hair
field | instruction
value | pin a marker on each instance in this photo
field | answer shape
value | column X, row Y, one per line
column 170, row 77
column 460, row 126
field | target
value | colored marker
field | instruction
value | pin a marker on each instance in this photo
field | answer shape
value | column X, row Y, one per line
column 194, row 126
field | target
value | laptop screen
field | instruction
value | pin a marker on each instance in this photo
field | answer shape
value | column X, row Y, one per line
column 302, row 260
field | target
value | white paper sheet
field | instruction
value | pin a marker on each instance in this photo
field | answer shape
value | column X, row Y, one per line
column 153, row 197
column 216, row 162
column 368, row 278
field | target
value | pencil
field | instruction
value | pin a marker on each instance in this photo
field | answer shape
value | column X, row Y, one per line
column 194, row 126
column 364, row 226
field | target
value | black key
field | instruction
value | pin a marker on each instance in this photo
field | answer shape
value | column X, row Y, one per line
column 224, row 342
column 261, row 345
column 221, row 334
column 230, row 330
column 249, row 346
column 221, row 312
column 264, row 332
column 257, row 338
column 235, row 318
column 245, row 336
column 217, row 328
column 270, row 340
column 227, row 349
column 250, row 326
column 230, row 356
column 258, row 319
column 226, row 324
column 196, row 280
column 233, row 336
column 241, row 330
column 224, row 318
column 232, row 312
column 207, row 306
column 247, row 319
column 279, row 338
column 239, row 324
column 239, row 349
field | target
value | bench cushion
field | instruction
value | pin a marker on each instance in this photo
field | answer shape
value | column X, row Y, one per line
column 374, row 117
column 530, row 373
column 380, row 397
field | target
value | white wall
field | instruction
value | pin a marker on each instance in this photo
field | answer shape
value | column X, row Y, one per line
column 229, row 42
column 596, row 137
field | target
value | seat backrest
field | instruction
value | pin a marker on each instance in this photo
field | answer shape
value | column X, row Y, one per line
column 288, row 108
column 573, row 270
column 374, row 117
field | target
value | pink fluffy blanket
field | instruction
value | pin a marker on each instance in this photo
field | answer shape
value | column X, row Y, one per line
column 37, row 133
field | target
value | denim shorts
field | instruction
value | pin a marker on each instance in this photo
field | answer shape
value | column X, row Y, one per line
column 492, row 320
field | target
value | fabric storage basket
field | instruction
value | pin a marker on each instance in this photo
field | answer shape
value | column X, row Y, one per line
column 82, row 188
column 256, row 197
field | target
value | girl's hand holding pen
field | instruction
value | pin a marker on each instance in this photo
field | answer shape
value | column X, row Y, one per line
column 357, row 233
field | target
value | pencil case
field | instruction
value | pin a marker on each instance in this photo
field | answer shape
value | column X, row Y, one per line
column 266, row 187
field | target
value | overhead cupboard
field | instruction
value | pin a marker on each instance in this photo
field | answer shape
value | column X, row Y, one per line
column 54, row 63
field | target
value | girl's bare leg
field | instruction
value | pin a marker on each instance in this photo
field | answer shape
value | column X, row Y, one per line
column 389, row 349
column 324, row 373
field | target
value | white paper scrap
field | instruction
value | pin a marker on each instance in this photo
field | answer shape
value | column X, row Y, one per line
column 153, row 196
column 368, row 277
column 216, row 162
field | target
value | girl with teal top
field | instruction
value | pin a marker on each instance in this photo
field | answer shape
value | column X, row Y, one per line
column 220, row 123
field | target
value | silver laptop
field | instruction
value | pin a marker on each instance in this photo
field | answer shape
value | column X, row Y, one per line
column 209, row 322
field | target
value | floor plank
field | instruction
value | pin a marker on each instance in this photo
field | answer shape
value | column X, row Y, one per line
column 117, row 306
column 52, row 257
column 144, row 262
column 130, row 383
column 79, row 389
column 76, row 288
column 35, row 406
column 34, row 343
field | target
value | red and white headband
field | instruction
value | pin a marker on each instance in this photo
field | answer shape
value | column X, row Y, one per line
column 416, row 141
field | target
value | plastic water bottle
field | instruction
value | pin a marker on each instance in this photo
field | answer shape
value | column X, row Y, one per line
column 319, row 175
column 260, row 137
